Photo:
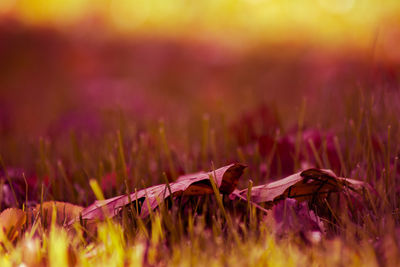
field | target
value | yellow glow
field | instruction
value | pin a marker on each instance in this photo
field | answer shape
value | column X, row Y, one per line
column 324, row 21
column 127, row 15
column 54, row 11
column 337, row 6
column 6, row 6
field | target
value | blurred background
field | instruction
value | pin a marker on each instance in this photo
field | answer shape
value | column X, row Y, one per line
column 76, row 69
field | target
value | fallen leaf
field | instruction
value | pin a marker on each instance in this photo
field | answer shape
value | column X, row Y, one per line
column 65, row 212
column 11, row 222
column 306, row 185
column 226, row 179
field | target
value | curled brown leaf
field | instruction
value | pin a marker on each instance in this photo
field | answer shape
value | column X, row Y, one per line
column 188, row 185
column 311, row 184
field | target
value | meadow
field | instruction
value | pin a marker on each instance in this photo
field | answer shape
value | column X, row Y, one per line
column 85, row 118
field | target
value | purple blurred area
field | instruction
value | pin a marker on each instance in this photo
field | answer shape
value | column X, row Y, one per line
column 53, row 83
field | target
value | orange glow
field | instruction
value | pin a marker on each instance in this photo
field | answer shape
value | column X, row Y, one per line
column 242, row 22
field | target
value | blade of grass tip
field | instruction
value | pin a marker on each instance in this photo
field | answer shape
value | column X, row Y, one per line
column 26, row 189
column 33, row 229
column 94, row 185
column 25, row 210
column 332, row 212
column 151, row 213
column 357, row 150
column 160, row 215
column 179, row 227
column 166, row 218
column 77, row 153
column 3, row 166
column 64, row 215
column 53, row 217
column 217, row 194
column 167, row 183
column 370, row 150
column 388, row 146
column 271, row 154
column 165, row 208
column 299, row 135
column 343, row 170
column 45, row 171
column 1, row 193
column 240, row 155
column 221, row 204
column 216, row 226
column 79, row 232
column 251, row 202
column 213, row 145
column 41, row 205
column 121, row 158
column 139, row 220
column 125, row 220
column 100, row 171
column 315, row 153
column 371, row 225
column 245, row 231
column 82, row 223
column 190, row 225
column 70, row 188
column 253, row 215
column 205, row 137
column 372, row 202
column 137, row 203
column 195, row 206
column 130, row 200
column 151, row 216
column 325, row 158
column 167, row 150
column 385, row 188
column 249, row 209
column 257, row 161
column 146, row 201
column 388, row 158
column 395, row 181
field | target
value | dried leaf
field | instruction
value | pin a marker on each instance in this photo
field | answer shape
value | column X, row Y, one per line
column 307, row 185
column 65, row 211
column 11, row 222
column 192, row 184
